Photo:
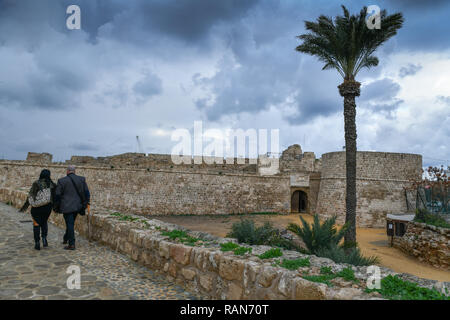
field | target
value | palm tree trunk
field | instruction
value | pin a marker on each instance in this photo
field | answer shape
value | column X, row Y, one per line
column 349, row 90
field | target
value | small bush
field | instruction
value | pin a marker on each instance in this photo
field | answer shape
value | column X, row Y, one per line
column 271, row 253
column 433, row 219
column 245, row 231
column 351, row 256
column 317, row 236
column 394, row 288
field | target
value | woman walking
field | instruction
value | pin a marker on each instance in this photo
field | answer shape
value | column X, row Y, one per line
column 41, row 197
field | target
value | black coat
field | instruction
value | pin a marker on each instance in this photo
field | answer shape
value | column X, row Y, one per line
column 67, row 196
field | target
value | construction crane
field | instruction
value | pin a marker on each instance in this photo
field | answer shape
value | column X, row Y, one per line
column 139, row 145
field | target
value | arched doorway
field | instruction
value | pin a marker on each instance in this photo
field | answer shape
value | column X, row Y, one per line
column 299, row 201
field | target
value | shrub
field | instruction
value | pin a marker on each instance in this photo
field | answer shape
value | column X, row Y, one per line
column 245, row 231
column 430, row 218
column 271, row 253
column 351, row 256
column 394, row 288
column 317, row 236
column 323, row 241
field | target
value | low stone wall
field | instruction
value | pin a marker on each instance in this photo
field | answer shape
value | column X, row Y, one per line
column 206, row 269
column 428, row 243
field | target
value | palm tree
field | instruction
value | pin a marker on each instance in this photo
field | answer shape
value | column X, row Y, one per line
column 347, row 44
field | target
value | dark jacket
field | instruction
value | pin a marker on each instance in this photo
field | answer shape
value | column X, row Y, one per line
column 67, row 196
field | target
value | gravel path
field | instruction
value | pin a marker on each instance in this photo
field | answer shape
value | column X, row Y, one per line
column 26, row 273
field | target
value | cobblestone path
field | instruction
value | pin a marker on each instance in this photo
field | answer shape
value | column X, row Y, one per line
column 26, row 273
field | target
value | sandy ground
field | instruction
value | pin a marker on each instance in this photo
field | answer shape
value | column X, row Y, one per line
column 371, row 241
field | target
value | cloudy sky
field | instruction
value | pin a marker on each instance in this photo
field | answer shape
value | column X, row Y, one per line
column 148, row 67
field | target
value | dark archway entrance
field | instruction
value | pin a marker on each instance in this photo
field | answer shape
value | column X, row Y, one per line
column 299, row 201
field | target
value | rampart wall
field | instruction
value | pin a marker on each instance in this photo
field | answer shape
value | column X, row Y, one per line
column 153, row 192
column 381, row 178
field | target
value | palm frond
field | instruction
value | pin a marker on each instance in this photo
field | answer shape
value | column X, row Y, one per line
column 346, row 43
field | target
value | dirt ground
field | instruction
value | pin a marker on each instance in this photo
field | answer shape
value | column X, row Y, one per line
column 371, row 241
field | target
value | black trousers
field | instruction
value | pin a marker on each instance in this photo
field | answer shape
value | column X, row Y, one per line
column 69, row 236
column 40, row 217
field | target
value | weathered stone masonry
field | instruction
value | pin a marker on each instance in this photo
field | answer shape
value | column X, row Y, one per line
column 381, row 178
column 215, row 274
column 206, row 269
column 428, row 243
column 152, row 184
column 150, row 192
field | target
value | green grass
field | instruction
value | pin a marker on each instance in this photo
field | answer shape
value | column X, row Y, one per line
column 242, row 250
column 181, row 236
column 323, row 278
column 271, row 253
column 229, row 246
column 237, row 249
column 124, row 217
column 292, row 264
column 394, row 288
column 326, row 275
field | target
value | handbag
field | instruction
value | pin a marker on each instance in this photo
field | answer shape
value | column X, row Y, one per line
column 82, row 212
column 43, row 197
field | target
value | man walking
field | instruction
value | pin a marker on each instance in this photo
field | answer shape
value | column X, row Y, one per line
column 73, row 196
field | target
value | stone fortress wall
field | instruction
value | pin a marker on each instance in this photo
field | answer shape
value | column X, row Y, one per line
column 151, row 192
column 381, row 178
column 153, row 185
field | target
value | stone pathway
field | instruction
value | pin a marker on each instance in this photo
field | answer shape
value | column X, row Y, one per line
column 26, row 273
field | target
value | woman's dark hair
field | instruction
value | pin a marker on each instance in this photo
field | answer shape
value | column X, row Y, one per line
column 45, row 174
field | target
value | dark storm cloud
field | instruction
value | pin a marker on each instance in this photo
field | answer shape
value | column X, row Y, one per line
column 46, row 66
column 381, row 90
column 149, row 86
column 409, row 70
column 150, row 23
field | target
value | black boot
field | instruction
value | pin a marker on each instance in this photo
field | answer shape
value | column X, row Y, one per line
column 36, row 232
column 44, row 242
